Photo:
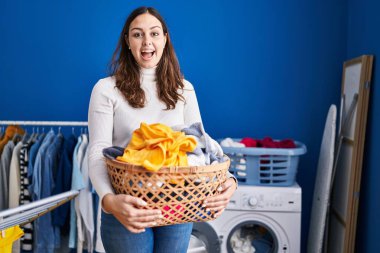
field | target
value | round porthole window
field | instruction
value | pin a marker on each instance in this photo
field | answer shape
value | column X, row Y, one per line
column 252, row 237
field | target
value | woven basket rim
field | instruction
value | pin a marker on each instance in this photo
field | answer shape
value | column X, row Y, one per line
column 171, row 169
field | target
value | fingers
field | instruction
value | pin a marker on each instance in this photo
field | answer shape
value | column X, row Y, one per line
column 219, row 202
column 134, row 201
column 131, row 208
column 226, row 185
column 140, row 225
column 133, row 229
column 216, row 207
column 131, row 214
column 136, row 220
column 138, row 215
column 218, row 213
column 222, row 199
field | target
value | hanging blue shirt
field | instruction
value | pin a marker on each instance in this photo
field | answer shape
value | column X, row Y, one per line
column 43, row 183
column 63, row 180
column 76, row 184
column 32, row 156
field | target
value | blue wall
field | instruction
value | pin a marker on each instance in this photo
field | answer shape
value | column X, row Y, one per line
column 260, row 68
column 364, row 38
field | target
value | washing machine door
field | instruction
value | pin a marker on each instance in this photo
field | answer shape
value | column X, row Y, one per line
column 252, row 237
column 203, row 239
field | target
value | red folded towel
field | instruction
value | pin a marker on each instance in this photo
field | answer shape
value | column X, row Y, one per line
column 249, row 142
column 268, row 142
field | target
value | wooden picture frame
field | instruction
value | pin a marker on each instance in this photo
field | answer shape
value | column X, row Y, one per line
column 349, row 155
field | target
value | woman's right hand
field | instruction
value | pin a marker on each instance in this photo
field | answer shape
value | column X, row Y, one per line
column 128, row 211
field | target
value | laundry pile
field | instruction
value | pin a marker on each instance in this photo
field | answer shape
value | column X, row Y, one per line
column 157, row 145
column 251, row 239
column 266, row 142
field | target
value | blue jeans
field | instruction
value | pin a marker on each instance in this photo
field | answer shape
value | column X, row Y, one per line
column 117, row 239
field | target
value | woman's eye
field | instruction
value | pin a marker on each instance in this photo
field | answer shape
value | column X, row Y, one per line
column 155, row 34
column 137, row 35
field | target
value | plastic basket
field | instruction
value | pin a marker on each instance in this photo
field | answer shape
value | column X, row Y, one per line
column 265, row 166
column 177, row 191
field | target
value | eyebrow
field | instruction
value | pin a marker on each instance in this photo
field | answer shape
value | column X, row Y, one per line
column 137, row 28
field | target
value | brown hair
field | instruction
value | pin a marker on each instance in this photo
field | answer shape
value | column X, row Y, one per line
column 127, row 72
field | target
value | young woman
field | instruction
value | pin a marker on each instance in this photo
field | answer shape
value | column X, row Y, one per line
column 146, row 85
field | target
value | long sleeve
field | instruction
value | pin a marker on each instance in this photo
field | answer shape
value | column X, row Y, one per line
column 100, row 125
column 191, row 108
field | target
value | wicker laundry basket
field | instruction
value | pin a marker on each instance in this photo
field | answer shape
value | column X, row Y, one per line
column 177, row 191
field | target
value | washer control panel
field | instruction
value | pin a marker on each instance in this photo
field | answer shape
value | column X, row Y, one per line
column 262, row 198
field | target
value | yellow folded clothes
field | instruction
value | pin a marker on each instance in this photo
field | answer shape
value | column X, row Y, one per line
column 157, row 145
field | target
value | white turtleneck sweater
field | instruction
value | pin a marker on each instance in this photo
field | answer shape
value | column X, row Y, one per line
column 111, row 120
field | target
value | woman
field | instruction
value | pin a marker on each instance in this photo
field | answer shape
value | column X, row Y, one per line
column 146, row 85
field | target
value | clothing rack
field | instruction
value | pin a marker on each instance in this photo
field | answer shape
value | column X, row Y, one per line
column 44, row 123
column 26, row 213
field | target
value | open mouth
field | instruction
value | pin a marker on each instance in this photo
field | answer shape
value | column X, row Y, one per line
column 147, row 55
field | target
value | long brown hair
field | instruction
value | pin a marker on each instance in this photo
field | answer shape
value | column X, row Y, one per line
column 127, row 72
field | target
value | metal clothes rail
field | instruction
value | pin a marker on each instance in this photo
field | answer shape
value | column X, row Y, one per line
column 44, row 123
column 26, row 213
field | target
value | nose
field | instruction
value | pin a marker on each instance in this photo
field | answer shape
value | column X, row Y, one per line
column 147, row 42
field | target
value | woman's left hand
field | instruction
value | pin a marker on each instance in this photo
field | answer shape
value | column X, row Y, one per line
column 218, row 203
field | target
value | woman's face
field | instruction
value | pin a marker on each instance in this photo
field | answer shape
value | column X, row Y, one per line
column 146, row 40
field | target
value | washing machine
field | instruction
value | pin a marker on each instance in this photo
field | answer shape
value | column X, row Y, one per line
column 258, row 219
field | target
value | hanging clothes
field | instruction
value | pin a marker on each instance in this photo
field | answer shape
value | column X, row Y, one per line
column 42, row 185
column 5, row 162
column 76, row 184
column 14, row 186
column 61, row 215
column 27, row 159
column 85, row 218
column 42, row 165
column 98, row 240
column 14, row 177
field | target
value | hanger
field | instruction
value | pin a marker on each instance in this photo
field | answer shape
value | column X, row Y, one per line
column 30, row 139
column 36, row 134
column 16, row 138
column 25, row 136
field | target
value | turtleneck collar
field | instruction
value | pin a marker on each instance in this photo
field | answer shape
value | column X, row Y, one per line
column 148, row 72
column 148, row 76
